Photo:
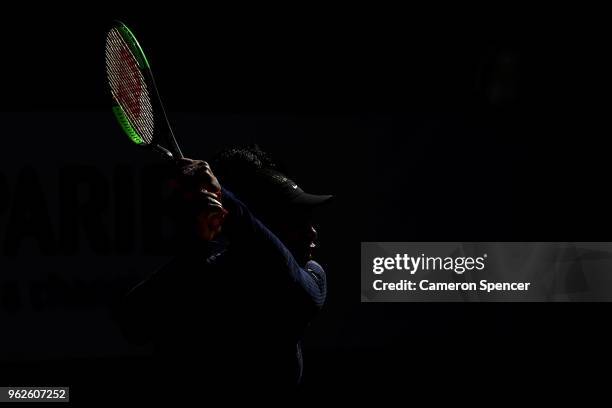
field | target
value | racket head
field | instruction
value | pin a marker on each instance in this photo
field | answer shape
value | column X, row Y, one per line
column 131, row 85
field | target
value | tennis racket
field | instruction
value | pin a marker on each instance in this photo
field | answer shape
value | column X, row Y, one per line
column 138, row 106
column 136, row 101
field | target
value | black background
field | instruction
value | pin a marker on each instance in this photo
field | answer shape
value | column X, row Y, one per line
column 466, row 125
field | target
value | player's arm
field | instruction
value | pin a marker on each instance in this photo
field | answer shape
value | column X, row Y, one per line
column 249, row 234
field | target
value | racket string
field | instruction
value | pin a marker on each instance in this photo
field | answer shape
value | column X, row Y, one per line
column 128, row 85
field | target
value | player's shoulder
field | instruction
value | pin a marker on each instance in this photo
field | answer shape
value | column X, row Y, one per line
column 314, row 266
column 316, row 271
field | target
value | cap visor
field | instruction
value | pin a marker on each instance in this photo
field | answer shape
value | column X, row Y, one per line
column 311, row 200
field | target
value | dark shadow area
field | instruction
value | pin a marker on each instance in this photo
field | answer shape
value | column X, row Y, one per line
column 424, row 130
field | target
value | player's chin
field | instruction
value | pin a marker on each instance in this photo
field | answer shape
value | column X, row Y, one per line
column 303, row 252
column 302, row 257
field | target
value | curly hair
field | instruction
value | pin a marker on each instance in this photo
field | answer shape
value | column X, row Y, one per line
column 238, row 159
column 238, row 168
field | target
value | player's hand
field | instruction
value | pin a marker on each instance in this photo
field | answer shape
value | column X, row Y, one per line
column 196, row 175
column 199, row 186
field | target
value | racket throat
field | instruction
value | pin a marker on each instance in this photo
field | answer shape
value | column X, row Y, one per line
column 166, row 154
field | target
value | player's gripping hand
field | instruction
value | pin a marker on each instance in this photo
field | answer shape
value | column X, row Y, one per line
column 199, row 186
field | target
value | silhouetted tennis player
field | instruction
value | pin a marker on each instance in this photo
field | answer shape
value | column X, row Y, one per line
column 234, row 303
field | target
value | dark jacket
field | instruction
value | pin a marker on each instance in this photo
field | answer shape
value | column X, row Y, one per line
column 234, row 311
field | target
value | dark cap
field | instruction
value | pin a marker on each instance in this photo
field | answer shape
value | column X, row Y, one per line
column 276, row 186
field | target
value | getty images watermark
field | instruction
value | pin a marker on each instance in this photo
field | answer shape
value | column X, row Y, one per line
column 485, row 271
column 458, row 265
